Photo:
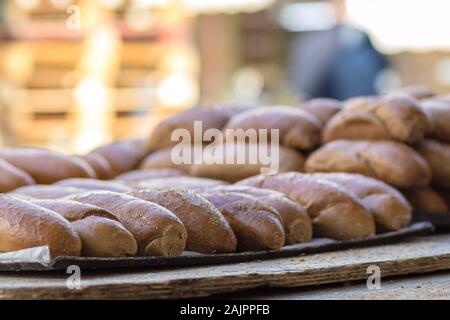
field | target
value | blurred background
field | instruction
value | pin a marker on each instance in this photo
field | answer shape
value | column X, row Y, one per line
column 76, row 74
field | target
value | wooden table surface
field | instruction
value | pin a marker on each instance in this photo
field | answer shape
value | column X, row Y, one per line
column 420, row 255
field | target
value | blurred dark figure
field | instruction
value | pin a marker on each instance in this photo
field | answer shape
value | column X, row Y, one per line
column 337, row 63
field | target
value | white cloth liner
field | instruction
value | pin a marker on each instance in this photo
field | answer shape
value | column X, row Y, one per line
column 37, row 255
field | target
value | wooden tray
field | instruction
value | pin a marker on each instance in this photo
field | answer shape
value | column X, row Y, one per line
column 316, row 246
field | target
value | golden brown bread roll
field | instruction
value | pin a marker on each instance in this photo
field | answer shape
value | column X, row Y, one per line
column 100, row 165
column 189, row 183
column 94, row 184
column 439, row 112
column 103, row 237
column 139, row 175
column 256, row 224
column 73, row 210
column 207, row 229
column 43, row 191
column 322, row 108
column 388, row 161
column 335, row 213
column 26, row 225
column 390, row 209
column 157, row 231
column 437, row 154
column 418, row 92
column 296, row 222
column 392, row 117
column 46, row 166
column 426, row 199
column 12, row 177
column 297, row 128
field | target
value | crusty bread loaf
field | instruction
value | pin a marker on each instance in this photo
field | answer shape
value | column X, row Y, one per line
column 43, row 191
column 94, row 184
column 427, row 200
column 103, row 237
column 25, row 225
column 390, row 209
column 297, row 128
column 47, row 166
column 139, row 175
column 335, row 213
column 322, row 108
column 207, row 229
column 73, row 210
column 439, row 113
column 189, row 183
column 257, row 225
column 99, row 164
column 296, row 222
column 157, row 231
column 437, row 154
column 12, row 177
column 418, row 92
column 388, row 161
column 395, row 117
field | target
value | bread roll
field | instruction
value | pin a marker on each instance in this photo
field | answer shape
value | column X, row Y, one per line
column 207, row 229
column 73, row 210
column 162, row 159
column 427, row 200
column 297, row 128
column 390, row 209
column 100, row 165
column 47, row 166
column 189, row 183
column 158, row 231
column 93, row 184
column 102, row 237
column 388, row 161
column 139, row 175
column 12, row 177
column 322, row 108
column 391, row 117
column 25, row 225
column 335, row 213
column 256, row 224
column 418, row 92
column 296, row 222
column 437, row 154
column 439, row 111
column 43, row 191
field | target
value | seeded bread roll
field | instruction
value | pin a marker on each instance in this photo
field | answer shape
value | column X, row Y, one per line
column 335, row 213
column 391, row 117
column 73, row 210
column 157, row 231
column 257, row 225
column 25, row 225
column 426, row 199
column 139, row 175
column 101, row 166
column 12, row 177
column 322, row 108
column 437, row 155
column 93, row 184
column 439, row 112
column 207, row 229
column 389, row 161
column 390, row 209
column 102, row 237
column 297, row 128
column 47, row 166
column 189, row 183
column 296, row 222
column 43, row 191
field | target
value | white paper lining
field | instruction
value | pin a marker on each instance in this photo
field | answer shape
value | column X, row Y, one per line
column 37, row 255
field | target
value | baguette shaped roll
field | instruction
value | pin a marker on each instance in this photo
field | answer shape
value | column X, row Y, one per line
column 426, row 199
column 122, row 156
column 160, row 137
column 93, row 184
column 297, row 128
column 46, row 166
column 418, row 92
column 437, row 154
column 189, row 183
column 335, row 213
column 389, row 161
column 439, row 112
column 43, row 191
column 139, row 175
column 103, row 237
column 390, row 209
column 322, row 108
column 391, row 117
column 100, row 165
column 158, row 231
column 207, row 229
column 12, row 177
column 73, row 210
column 25, row 225
column 256, row 224
column 296, row 222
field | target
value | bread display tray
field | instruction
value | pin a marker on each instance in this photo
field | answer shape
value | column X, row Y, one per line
column 317, row 245
column 440, row 221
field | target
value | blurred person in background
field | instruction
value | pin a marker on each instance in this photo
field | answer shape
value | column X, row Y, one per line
column 338, row 63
